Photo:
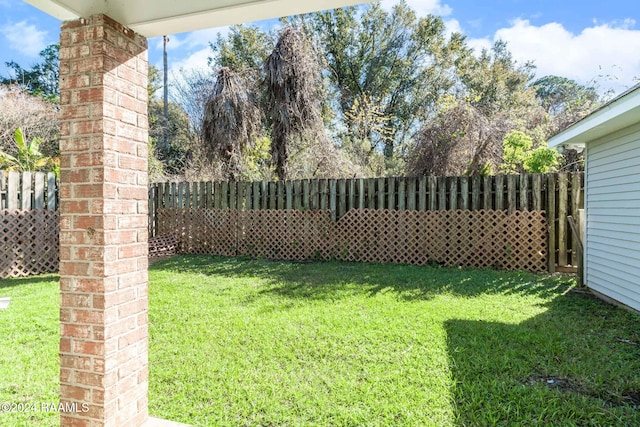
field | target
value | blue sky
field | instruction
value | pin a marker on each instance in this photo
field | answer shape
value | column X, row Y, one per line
column 585, row 40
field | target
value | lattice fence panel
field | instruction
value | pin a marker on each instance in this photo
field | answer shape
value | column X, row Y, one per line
column 286, row 234
column 516, row 241
column 201, row 231
column 29, row 242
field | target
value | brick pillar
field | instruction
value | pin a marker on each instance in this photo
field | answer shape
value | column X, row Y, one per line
column 103, row 226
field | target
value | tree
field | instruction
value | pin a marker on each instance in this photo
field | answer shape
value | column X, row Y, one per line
column 395, row 62
column 520, row 156
column 42, row 78
column 459, row 140
column 293, row 86
column 496, row 83
column 179, row 135
column 38, row 118
column 28, row 157
column 565, row 100
column 244, row 49
column 191, row 90
column 232, row 121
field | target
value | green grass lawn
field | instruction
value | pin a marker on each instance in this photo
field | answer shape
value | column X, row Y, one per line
column 258, row 343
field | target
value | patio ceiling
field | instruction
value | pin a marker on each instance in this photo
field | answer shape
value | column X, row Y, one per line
column 152, row 18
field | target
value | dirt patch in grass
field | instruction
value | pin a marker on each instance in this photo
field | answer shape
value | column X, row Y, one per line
column 627, row 397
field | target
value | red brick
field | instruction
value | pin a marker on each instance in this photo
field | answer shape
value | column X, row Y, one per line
column 75, row 362
column 89, row 316
column 92, row 348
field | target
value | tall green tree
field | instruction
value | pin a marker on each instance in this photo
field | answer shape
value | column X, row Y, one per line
column 565, row 100
column 394, row 61
column 243, row 49
column 42, row 78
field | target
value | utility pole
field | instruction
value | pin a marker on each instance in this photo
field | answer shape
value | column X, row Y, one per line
column 166, row 96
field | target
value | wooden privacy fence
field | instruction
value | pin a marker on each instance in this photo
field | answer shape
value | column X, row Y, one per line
column 28, row 190
column 515, row 241
column 559, row 195
column 29, row 224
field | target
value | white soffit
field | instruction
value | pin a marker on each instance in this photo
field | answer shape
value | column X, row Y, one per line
column 159, row 17
column 621, row 112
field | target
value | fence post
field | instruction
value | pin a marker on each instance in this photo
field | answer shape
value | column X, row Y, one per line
column 551, row 219
column 563, row 202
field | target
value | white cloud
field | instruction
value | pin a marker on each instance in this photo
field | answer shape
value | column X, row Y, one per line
column 192, row 40
column 602, row 52
column 195, row 61
column 422, row 7
column 24, row 37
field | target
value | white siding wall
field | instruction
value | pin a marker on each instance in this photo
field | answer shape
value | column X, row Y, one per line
column 612, row 201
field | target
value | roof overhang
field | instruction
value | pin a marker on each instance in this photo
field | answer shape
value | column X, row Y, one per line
column 152, row 18
column 621, row 112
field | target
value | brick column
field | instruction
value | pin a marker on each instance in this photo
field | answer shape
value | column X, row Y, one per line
column 103, row 226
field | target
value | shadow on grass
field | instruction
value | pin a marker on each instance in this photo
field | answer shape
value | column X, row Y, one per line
column 331, row 280
column 10, row 283
column 578, row 363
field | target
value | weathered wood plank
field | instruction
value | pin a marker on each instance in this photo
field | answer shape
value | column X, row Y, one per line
column 306, row 190
column 288, row 185
column 333, row 199
column 273, row 195
column 563, row 209
column 264, row 195
column 487, row 195
column 442, row 193
column 402, row 196
column 351, row 194
column 464, row 193
column 453, row 192
column 360, row 185
column 232, row 195
column 391, row 193
column 524, row 192
column 38, row 191
column 280, row 195
column 255, row 192
column 576, row 205
column 314, row 195
column 224, row 195
column 422, row 193
column 512, row 203
column 476, row 190
column 324, row 194
column 536, row 192
column 381, row 192
column 342, row 197
column 499, row 192
column 180, row 203
column 248, row 204
column 433, row 193
column 411, row 193
column 172, row 198
column 551, row 218
column 371, row 193
column 297, row 194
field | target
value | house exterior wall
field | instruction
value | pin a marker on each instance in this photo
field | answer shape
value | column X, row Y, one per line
column 612, row 202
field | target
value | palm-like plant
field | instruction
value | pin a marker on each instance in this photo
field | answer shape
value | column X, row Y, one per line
column 28, row 157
